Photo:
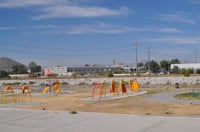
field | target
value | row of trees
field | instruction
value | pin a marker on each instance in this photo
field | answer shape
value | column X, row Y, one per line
column 33, row 69
column 154, row 66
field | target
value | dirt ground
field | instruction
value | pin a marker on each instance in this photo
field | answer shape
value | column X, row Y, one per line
column 130, row 105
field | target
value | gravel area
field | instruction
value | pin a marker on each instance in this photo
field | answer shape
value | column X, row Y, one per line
column 79, row 81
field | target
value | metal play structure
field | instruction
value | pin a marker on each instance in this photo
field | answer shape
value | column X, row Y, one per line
column 16, row 95
column 99, row 89
column 52, row 88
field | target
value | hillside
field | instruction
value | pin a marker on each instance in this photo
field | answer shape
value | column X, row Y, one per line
column 7, row 63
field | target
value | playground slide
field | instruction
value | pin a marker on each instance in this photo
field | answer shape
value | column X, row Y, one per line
column 56, row 88
column 45, row 90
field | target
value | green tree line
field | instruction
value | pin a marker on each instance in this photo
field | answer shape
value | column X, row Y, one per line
column 33, row 69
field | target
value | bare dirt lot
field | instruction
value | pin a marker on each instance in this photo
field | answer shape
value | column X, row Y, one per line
column 130, row 105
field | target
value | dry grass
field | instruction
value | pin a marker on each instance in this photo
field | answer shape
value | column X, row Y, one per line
column 130, row 105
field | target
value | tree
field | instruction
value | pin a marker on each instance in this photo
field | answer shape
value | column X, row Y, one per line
column 198, row 71
column 164, row 65
column 3, row 74
column 118, row 70
column 175, row 69
column 154, row 66
column 32, row 64
column 175, row 61
column 140, row 64
column 34, row 68
column 19, row 69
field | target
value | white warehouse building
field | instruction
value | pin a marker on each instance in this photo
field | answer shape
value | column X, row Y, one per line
column 186, row 66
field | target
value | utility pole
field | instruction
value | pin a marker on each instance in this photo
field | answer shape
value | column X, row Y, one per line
column 136, row 59
column 148, row 59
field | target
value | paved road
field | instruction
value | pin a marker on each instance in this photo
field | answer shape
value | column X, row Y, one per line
column 15, row 120
column 169, row 97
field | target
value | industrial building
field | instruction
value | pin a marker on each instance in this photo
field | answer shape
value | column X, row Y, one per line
column 186, row 66
column 79, row 70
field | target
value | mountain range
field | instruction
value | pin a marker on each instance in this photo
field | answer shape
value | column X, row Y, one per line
column 7, row 63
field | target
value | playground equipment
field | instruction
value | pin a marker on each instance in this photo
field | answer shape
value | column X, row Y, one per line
column 8, row 93
column 101, row 87
column 55, row 87
column 45, row 89
column 25, row 91
column 97, row 85
column 122, row 87
column 113, row 89
column 16, row 94
column 135, row 86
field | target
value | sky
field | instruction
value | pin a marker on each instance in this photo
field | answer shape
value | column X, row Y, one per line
column 96, row 32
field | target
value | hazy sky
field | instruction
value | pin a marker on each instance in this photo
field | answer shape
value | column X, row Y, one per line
column 78, row 32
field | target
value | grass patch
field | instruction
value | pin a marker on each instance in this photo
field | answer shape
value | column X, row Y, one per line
column 188, row 96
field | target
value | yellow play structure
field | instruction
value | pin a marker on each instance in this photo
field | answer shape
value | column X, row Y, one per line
column 55, row 87
column 114, row 88
column 134, row 85
column 17, row 95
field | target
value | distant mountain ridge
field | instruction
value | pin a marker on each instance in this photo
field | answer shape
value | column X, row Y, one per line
column 7, row 63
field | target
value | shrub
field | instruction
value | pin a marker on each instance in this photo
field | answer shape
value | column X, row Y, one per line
column 110, row 74
column 186, row 72
column 73, row 112
column 65, row 83
column 198, row 71
column 4, row 74
column 32, row 82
